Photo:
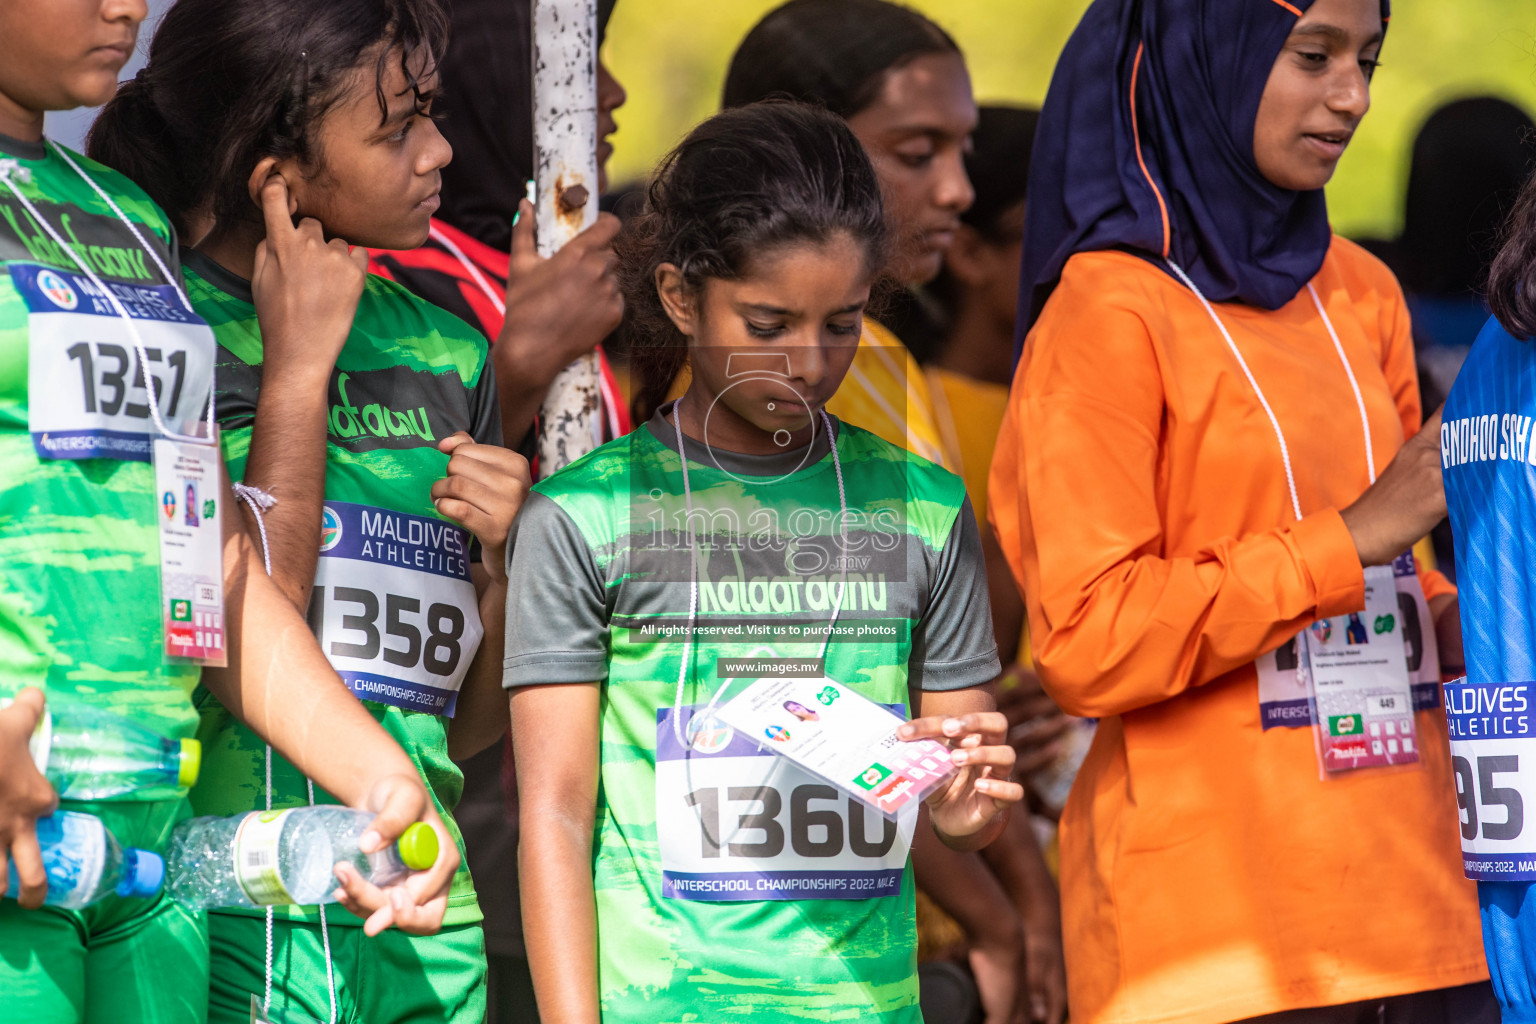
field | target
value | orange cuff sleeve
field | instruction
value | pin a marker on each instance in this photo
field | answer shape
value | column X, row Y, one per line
column 1329, row 555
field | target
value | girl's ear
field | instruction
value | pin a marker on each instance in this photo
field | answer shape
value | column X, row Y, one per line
column 265, row 168
column 676, row 298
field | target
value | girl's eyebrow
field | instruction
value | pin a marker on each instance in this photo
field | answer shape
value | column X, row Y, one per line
column 763, row 307
column 1332, row 33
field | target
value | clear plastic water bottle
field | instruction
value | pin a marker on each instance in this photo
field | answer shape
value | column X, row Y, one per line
column 91, row 754
column 85, row 863
column 267, row 858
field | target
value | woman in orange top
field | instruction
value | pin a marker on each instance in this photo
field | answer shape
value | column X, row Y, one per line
column 1183, row 483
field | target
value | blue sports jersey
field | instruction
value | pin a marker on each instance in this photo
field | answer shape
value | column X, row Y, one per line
column 1488, row 456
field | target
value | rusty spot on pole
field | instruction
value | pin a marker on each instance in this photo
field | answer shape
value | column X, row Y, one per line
column 573, row 198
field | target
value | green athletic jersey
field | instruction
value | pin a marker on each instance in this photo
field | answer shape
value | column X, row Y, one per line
column 409, row 375
column 79, row 593
column 730, row 884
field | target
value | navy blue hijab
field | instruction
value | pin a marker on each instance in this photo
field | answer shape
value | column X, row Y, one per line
column 1197, row 70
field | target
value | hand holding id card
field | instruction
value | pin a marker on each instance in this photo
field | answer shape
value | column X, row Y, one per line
column 839, row 735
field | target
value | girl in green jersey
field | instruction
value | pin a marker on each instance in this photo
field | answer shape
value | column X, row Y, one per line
column 671, row 868
column 292, row 127
column 80, row 616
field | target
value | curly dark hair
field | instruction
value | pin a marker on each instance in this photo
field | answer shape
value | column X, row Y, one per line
column 743, row 183
column 1512, row 279
column 230, row 82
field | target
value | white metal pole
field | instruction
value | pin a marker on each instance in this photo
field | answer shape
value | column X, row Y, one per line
column 565, row 167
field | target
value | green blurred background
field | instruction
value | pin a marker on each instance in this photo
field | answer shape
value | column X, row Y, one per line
column 672, row 55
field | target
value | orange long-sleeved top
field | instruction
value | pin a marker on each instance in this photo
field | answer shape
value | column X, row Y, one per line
column 1208, row 875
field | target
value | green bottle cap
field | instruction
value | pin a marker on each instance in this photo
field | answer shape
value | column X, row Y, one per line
column 191, row 763
column 418, row 846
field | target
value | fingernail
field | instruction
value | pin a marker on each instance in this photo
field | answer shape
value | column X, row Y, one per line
column 959, row 757
column 951, row 726
column 370, row 839
column 905, row 732
column 397, row 900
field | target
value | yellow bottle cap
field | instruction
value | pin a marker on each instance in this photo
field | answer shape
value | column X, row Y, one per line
column 418, row 846
column 191, row 763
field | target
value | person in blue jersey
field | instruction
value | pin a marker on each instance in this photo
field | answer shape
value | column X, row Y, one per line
column 1488, row 456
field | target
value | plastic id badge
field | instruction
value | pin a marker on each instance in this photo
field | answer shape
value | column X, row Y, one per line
column 189, row 482
column 1360, row 684
column 1285, row 695
column 1492, row 729
column 838, row 734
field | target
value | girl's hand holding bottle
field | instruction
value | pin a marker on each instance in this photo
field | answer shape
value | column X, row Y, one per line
column 25, row 796
column 968, row 811
column 415, row 905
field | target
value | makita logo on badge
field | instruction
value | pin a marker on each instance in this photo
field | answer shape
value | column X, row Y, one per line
column 348, row 421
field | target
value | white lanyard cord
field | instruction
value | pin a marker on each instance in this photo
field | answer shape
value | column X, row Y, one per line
column 610, row 401
column 453, row 250
column 693, row 576
column 1274, row 422
column 7, row 169
column 693, row 607
column 258, row 500
column 1349, row 371
column 166, row 271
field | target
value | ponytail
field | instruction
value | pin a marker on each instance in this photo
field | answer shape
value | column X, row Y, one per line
column 132, row 136
column 1512, row 279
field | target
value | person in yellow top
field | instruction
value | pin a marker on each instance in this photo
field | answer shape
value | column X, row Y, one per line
column 901, row 83
column 970, row 369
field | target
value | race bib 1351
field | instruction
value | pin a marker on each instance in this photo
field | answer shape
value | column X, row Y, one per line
column 87, row 388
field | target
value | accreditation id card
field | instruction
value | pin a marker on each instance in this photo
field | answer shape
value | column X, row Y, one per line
column 1360, row 682
column 189, row 482
column 838, row 734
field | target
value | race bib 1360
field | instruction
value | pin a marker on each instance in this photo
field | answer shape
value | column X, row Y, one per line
column 735, row 822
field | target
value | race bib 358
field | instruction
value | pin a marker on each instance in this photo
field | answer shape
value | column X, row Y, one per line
column 394, row 606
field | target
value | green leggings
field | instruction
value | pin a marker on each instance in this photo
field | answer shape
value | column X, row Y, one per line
column 392, row 978
column 120, row 961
